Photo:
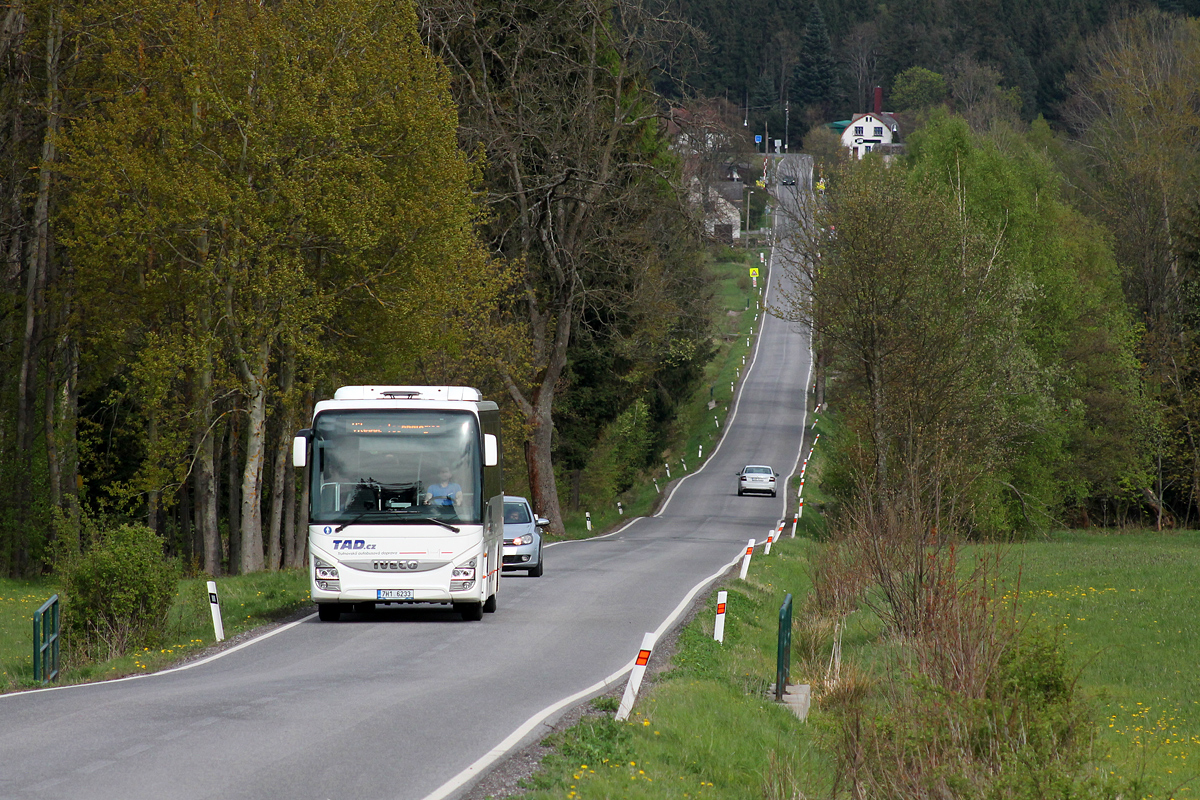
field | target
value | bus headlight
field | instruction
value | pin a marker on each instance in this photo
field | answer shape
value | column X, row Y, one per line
column 463, row 577
column 326, row 576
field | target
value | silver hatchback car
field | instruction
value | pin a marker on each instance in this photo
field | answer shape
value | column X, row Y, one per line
column 757, row 478
column 522, row 537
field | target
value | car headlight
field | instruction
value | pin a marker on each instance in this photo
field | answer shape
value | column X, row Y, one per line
column 526, row 539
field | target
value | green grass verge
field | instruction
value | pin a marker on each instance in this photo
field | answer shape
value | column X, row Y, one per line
column 708, row 727
column 247, row 602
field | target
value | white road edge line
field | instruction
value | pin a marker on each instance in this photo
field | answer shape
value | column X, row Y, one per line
column 181, row 668
column 464, row 778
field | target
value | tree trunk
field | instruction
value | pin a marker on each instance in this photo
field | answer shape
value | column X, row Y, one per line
column 256, row 445
column 277, row 548
column 275, row 522
column 206, row 504
column 542, row 483
column 233, row 486
column 152, row 494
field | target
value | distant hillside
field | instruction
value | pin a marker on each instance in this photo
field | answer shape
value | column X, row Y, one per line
column 760, row 51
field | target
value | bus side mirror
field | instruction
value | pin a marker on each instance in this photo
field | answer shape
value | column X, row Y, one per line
column 491, row 450
column 300, row 448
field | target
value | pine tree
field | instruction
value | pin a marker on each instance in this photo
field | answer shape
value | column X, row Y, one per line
column 815, row 81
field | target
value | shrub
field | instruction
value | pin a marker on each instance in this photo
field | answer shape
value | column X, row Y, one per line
column 117, row 595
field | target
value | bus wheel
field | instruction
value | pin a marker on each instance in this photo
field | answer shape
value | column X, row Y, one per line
column 471, row 612
column 490, row 606
column 329, row 612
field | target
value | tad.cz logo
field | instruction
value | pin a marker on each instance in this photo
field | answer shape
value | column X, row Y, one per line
column 352, row 544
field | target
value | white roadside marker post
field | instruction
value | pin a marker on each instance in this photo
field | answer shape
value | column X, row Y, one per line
column 795, row 522
column 635, row 678
column 214, row 603
column 588, row 515
column 668, row 466
column 717, row 422
column 800, row 509
column 656, row 489
column 681, row 461
column 719, row 625
column 620, row 509
column 700, row 453
column 746, row 559
column 770, row 539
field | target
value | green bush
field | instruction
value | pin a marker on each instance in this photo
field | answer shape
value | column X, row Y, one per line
column 117, row 595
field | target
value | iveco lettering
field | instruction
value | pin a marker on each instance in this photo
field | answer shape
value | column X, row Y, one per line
column 406, row 499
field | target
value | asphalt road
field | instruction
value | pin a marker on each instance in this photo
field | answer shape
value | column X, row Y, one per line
column 404, row 705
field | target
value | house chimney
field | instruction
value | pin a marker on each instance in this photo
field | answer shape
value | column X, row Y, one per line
column 878, row 99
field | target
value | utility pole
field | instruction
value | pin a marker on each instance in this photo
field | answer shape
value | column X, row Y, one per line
column 787, row 110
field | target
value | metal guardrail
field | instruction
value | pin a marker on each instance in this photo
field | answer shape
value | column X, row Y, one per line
column 783, row 659
column 46, row 628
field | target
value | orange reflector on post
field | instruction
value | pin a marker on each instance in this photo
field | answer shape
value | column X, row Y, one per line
column 643, row 658
column 720, row 608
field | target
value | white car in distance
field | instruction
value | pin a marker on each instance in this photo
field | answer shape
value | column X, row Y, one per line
column 757, row 478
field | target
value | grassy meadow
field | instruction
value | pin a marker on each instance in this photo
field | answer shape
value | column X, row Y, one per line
column 1126, row 608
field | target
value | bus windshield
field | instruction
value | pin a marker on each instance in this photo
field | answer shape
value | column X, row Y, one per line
column 396, row 466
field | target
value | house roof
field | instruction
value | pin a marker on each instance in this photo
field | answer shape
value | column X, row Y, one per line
column 887, row 119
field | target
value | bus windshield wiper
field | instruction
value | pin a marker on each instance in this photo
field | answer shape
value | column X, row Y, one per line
column 436, row 521
column 361, row 517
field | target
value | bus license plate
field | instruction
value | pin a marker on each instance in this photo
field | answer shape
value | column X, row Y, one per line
column 393, row 594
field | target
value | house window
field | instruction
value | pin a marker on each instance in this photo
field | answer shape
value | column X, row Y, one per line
column 858, row 130
column 866, row 148
column 879, row 130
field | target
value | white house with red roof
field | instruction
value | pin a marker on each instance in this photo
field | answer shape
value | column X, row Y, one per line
column 872, row 130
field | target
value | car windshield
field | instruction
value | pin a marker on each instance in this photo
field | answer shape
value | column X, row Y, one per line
column 396, row 466
column 516, row 513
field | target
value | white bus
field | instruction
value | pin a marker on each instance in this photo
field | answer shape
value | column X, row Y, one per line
column 406, row 499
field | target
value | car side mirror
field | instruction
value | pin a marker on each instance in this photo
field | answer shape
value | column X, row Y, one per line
column 542, row 522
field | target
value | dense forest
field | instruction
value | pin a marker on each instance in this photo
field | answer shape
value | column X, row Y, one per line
column 821, row 60
column 214, row 214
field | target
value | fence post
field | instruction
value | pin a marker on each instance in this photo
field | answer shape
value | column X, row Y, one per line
column 46, row 627
column 783, row 659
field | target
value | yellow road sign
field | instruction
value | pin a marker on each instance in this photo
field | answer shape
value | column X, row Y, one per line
column 754, row 272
